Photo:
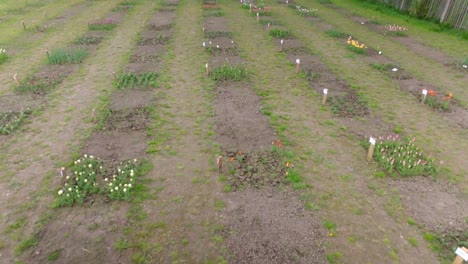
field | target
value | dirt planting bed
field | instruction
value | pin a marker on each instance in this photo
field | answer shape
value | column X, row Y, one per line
column 271, row 226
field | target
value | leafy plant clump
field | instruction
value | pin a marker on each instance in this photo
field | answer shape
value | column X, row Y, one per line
column 106, row 25
column 82, row 182
column 132, row 80
column 355, row 46
column 89, row 177
column 38, row 84
column 403, row 156
column 279, row 33
column 63, row 56
column 10, row 121
column 228, row 72
column 88, row 40
column 437, row 101
column 3, row 56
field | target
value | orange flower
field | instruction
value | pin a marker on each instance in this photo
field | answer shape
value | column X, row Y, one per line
column 231, row 159
column 239, row 152
column 432, row 93
column 278, row 142
column 288, row 164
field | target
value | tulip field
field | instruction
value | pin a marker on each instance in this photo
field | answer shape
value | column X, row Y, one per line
column 227, row 131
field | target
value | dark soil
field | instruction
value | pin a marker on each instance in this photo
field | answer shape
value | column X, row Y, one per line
column 240, row 125
column 253, row 168
column 215, row 24
column 271, row 226
column 128, row 99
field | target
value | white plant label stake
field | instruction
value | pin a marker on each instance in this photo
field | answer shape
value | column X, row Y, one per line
column 298, row 63
column 204, row 44
column 268, row 28
column 15, row 77
column 282, row 41
column 258, row 16
column 47, row 52
column 250, row 8
column 462, row 255
column 325, row 93
column 424, row 93
column 207, row 68
column 371, row 149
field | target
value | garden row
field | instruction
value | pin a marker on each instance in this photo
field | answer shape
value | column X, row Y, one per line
column 30, row 91
column 115, row 154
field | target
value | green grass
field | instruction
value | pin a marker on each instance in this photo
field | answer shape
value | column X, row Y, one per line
column 445, row 244
column 3, row 56
column 133, row 80
column 228, row 72
column 437, row 103
column 63, row 56
column 54, row 255
column 214, row 13
column 356, row 50
column 336, row 33
column 279, row 33
column 383, row 66
column 334, row 258
column 25, row 244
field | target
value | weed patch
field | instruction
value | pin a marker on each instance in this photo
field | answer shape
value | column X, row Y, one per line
column 10, row 121
column 38, row 84
column 336, row 33
column 88, row 40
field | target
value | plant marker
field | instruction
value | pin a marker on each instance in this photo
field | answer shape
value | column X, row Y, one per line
column 217, row 46
column 282, row 41
column 219, row 161
column 424, row 93
column 258, row 17
column 114, row 75
column 15, row 77
column 380, row 53
column 62, row 172
column 203, row 29
column 268, row 28
column 465, row 66
column 325, row 93
column 298, row 62
column 394, row 70
column 371, row 149
column 24, row 25
column 462, row 255
column 250, row 8
column 47, row 52
column 207, row 66
column 204, row 44
column 232, row 41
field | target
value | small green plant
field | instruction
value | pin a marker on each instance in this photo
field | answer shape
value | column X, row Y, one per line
column 403, row 156
column 38, row 84
column 336, row 33
column 105, row 25
column 333, row 258
column 10, row 121
column 88, row 40
column 132, row 80
column 383, row 66
column 228, row 72
column 462, row 63
column 279, row 33
column 3, row 56
column 63, row 56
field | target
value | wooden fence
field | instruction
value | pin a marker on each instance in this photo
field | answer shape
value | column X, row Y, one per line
column 452, row 12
